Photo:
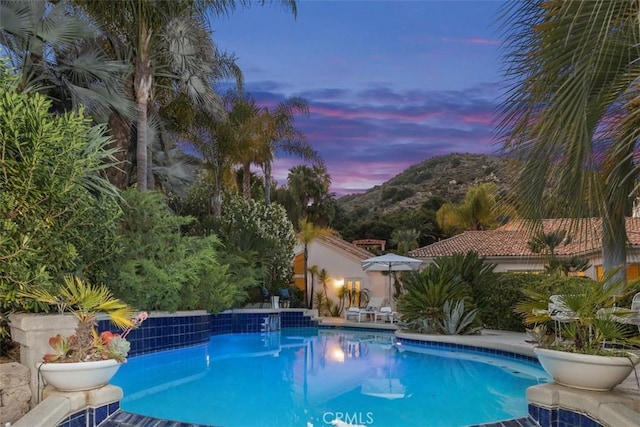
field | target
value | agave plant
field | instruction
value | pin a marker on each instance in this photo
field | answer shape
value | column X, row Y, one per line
column 456, row 321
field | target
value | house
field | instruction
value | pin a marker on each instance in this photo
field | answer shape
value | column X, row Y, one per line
column 343, row 262
column 508, row 246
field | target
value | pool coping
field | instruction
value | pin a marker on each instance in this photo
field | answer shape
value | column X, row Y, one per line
column 548, row 402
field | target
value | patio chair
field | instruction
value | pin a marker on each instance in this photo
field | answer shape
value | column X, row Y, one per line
column 266, row 295
column 384, row 314
column 372, row 307
column 559, row 312
column 285, row 297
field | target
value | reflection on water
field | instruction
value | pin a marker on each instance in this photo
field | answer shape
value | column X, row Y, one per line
column 300, row 376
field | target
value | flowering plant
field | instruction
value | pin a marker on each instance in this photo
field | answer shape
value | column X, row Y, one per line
column 85, row 301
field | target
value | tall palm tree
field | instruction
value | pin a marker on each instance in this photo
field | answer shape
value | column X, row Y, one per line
column 277, row 133
column 170, row 43
column 309, row 186
column 308, row 232
column 59, row 53
column 571, row 114
column 216, row 144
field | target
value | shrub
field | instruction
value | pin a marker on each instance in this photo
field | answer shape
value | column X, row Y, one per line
column 500, row 296
column 57, row 215
column 160, row 269
column 270, row 228
column 422, row 306
column 473, row 271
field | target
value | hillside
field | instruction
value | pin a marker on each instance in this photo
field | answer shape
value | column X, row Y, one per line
column 447, row 176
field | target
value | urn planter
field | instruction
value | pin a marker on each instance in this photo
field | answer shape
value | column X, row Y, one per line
column 78, row 376
column 586, row 371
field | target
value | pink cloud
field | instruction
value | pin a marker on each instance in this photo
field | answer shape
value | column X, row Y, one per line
column 373, row 114
column 472, row 40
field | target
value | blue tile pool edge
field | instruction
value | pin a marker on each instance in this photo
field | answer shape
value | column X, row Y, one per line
column 231, row 322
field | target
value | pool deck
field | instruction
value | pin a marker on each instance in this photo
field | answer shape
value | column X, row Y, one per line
column 619, row 407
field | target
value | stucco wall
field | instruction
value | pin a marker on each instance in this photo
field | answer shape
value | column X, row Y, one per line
column 342, row 265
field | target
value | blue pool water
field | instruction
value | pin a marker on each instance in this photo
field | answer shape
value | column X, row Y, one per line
column 302, row 377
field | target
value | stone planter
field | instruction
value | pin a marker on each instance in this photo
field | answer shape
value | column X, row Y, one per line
column 585, row 371
column 80, row 375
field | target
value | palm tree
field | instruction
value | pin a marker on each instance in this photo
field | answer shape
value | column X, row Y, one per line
column 58, row 53
column 277, row 133
column 478, row 211
column 572, row 110
column 309, row 186
column 308, row 232
column 170, row 45
column 323, row 278
column 406, row 239
column 263, row 131
column 313, row 271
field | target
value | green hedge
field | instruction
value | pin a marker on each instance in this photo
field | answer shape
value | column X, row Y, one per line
column 499, row 297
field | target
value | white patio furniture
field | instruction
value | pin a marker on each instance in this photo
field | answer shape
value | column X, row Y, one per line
column 359, row 313
column 385, row 313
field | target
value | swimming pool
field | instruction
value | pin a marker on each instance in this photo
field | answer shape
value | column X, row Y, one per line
column 310, row 376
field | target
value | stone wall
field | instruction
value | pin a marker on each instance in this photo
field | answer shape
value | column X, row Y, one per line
column 15, row 393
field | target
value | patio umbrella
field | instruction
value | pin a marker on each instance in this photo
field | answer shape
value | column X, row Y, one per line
column 391, row 262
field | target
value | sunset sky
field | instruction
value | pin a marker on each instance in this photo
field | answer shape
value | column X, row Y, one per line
column 389, row 83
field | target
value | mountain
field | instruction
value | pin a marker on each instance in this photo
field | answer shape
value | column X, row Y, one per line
column 448, row 176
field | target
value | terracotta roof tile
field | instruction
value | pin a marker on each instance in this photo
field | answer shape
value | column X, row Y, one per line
column 512, row 239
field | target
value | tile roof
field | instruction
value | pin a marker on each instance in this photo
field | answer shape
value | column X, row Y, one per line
column 511, row 240
column 342, row 244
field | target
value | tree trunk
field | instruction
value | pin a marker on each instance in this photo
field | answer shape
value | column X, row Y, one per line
column 306, row 289
column 267, row 182
column 142, row 86
column 118, row 173
column 614, row 251
column 216, row 198
column 246, row 181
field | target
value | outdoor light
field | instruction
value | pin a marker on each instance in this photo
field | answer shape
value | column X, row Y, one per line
column 339, row 283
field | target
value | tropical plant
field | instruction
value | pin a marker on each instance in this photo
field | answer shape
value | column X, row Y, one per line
column 85, row 300
column 406, row 240
column 58, row 214
column 323, row 278
column 571, row 114
column 479, row 211
column 426, row 292
column 547, row 243
column 455, row 321
column 594, row 317
column 308, row 232
column 261, row 131
column 172, row 52
column 308, row 188
column 313, row 272
column 59, row 53
column 473, row 271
